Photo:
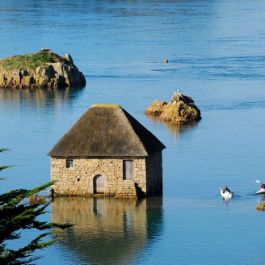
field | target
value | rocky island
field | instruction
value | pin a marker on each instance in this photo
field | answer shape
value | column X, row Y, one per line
column 179, row 110
column 44, row 69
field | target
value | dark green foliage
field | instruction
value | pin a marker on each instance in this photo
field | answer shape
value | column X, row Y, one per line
column 16, row 214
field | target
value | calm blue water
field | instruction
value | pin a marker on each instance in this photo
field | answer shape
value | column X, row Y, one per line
column 216, row 55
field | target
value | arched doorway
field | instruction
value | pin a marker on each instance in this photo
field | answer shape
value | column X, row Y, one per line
column 98, row 183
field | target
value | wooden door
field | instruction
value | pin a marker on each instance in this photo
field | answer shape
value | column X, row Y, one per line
column 99, row 184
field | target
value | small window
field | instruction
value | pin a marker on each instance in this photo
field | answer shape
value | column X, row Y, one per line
column 127, row 169
column 69, row 163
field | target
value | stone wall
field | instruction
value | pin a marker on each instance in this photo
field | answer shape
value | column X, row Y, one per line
column 78, row 180
column 154, row 172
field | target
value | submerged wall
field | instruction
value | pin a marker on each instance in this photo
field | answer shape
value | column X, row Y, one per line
column 154, row 174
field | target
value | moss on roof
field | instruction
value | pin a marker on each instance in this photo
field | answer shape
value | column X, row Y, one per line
column 105, row 106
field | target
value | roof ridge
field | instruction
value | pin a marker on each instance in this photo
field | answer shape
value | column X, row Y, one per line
column 103, row 105
column 135, row 134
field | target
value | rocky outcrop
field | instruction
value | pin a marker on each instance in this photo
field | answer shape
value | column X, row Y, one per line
column 180, row 110
column 44, row 69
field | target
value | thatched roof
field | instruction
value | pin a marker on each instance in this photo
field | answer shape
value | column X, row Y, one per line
column 107, row 131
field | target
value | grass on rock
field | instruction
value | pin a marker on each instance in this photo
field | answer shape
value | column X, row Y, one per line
column 28, row 61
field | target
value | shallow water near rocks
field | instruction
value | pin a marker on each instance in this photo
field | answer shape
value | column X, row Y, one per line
column 216, row 55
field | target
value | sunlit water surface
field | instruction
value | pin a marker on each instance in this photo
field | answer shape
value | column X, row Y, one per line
column 216, row 55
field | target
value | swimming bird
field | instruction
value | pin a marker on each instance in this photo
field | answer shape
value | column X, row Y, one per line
column 226, row 193
column 262, row 188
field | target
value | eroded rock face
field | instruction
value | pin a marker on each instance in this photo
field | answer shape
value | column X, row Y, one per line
column 180, row 110
column 44, row 69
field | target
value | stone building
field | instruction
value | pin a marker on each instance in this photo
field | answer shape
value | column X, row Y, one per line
column 107, row 152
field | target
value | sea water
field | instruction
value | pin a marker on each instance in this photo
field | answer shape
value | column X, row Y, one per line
column 216, row 55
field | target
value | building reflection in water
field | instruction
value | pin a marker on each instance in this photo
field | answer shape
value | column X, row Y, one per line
column 107, row 230
column 39, row 97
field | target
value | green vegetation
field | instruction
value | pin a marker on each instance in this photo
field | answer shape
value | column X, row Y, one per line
column 18, row 214
column 29, row 61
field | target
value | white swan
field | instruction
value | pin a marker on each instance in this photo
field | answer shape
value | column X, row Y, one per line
column 226, row 193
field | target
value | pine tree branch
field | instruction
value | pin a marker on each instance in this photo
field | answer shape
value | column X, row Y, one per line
column 22, row 194
column 3, row 167
column 23, row 255
column 15, row 215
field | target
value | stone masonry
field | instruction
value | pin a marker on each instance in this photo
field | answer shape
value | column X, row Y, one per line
column 78, row 180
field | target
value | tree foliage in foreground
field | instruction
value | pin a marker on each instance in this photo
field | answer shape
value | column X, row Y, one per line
column 17, row 214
